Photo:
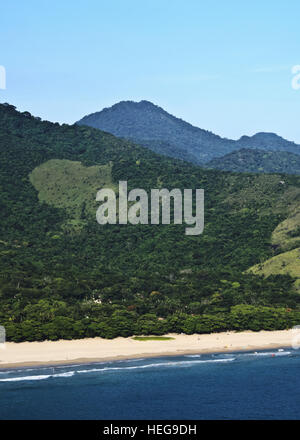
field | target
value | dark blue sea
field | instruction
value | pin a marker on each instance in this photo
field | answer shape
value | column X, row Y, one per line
column 252, row 385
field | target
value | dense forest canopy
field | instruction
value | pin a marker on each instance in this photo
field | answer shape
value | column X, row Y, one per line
column 258, row 161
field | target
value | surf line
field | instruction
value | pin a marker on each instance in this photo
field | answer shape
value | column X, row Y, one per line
column 133, row 207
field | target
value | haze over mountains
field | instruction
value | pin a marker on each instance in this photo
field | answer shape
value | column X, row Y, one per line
column 151, row 126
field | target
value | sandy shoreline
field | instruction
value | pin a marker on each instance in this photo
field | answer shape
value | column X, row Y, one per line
column 98, row 349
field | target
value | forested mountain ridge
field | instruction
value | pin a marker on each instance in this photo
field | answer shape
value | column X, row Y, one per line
column 249, row 160
column 63, row 275
column 151, row 126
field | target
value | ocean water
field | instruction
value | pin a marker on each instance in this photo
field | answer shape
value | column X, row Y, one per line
column 252, row 385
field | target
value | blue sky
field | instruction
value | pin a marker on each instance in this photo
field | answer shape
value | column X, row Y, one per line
column 223, row 66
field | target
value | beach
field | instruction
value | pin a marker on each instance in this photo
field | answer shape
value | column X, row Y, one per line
column 98, row 349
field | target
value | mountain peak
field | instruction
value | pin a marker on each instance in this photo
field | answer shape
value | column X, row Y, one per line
column 150, row 125
column 153, row 127
column 131, row 105
column 268, row 141
column 262, row 135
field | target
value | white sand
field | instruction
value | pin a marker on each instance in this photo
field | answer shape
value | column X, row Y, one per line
column 98, row 349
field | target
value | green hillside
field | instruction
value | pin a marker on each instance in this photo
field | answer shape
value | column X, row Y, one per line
column 287, row 234
column 72, row 186
column 248, row 160
column 63, row 275
column 286, row 240
column 284, row 263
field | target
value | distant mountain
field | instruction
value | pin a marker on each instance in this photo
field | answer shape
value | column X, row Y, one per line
column 268, row 142
column 151, row 126
column 154, row 128
column 258, row 161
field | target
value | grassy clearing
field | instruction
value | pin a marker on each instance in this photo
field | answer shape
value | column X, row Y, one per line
column 287, row 233
column 285, row 263
column 70, row 185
